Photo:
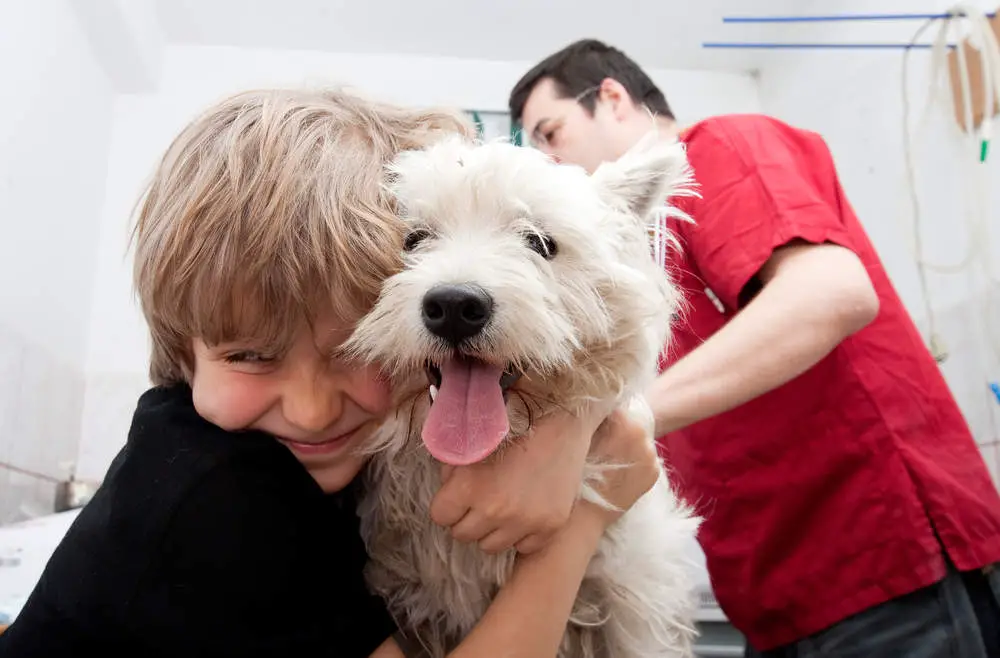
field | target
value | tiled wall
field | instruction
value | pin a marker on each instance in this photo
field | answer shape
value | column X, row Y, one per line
column 41, row 401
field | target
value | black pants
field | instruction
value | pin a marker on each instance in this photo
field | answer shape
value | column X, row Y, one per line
column 958, row 617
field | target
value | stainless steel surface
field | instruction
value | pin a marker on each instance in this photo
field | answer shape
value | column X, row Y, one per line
column 718, row 639
column 719, row 651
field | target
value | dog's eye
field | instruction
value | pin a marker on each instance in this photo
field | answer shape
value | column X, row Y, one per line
column 414, row 238
column 542, row 244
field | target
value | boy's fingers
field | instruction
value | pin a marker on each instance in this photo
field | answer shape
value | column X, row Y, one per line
column 446, row 512
column 449, row 504
column 497, row 541
column 471, row 528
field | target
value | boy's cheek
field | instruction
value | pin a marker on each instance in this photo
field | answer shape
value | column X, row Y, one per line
column 228, row 400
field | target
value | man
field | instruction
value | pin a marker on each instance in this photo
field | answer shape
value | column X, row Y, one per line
column 848, row 509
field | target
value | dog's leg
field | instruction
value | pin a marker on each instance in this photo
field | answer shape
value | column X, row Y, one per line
column 640, row 411
column 647, row 573
column 642, row 572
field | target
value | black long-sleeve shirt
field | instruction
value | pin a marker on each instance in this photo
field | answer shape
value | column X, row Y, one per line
column 202, row 542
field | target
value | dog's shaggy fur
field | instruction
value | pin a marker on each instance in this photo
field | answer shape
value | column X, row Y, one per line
column 576, row 310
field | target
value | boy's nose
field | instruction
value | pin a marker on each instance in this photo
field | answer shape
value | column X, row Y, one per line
column 312, row 404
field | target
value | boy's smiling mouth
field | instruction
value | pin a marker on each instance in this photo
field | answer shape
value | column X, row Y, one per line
column 322, row 446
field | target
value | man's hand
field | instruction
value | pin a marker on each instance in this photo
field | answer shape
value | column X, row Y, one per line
column 526, row 494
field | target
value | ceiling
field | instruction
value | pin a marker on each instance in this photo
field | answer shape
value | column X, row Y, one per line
column 657, row 33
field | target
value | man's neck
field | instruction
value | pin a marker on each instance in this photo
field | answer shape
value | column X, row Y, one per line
column 667, row 127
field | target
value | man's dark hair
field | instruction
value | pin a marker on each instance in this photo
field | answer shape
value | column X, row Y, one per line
column 582, row 66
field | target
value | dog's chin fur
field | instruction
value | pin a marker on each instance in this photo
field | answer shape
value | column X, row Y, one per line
column 584, row 324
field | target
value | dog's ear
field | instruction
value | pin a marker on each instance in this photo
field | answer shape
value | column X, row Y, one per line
column 646, row 175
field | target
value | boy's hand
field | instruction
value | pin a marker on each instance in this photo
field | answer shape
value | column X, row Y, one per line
column 524, row 497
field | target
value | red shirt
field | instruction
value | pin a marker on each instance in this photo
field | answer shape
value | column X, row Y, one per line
column 821, row 498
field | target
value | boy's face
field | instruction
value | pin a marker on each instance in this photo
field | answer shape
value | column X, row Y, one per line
column 316, row 405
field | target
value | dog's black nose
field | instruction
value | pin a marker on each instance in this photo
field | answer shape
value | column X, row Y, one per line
column 456, row 312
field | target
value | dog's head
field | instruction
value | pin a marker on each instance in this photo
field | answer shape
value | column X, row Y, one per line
column 521, row 277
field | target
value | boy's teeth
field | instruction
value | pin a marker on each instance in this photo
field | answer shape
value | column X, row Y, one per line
column 434, row 392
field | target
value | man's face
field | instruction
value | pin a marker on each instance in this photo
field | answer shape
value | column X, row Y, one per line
column 562, row 128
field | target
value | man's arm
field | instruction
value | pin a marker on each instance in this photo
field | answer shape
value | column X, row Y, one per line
column 812, row 298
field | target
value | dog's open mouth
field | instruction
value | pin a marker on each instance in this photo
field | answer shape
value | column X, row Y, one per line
column 468, row 416
column 507, row 379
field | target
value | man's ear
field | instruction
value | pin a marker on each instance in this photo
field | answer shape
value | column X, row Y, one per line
column 612, row 92
column 646, row 175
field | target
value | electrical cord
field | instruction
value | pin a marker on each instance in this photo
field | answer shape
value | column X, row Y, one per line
column 974, row 144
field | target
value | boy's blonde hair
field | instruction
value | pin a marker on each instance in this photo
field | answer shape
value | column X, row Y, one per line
column 266, row 209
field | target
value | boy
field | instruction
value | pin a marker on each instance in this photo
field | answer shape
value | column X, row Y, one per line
column 846, row 503
column 226, row 526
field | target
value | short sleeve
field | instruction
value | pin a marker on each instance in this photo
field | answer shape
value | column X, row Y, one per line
column 251, row 567
column 762, row 185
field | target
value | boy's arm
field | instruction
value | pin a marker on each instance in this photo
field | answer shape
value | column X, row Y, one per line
column 253, row 565
column 246, row 564
column 528, row 617
column 40, row 630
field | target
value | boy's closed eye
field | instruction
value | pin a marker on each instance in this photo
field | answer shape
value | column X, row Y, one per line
column 250, row 361
column 249, row 357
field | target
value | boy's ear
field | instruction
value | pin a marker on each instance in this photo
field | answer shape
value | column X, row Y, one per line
column 646, row 175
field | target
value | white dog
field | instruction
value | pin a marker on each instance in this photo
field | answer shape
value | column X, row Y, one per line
column 527, row 286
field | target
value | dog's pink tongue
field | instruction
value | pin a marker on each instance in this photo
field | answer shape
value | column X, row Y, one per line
column 468, row 418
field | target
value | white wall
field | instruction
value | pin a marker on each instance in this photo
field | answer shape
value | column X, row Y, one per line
column 854, row 99
column 192, row 78
column 55, row 123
